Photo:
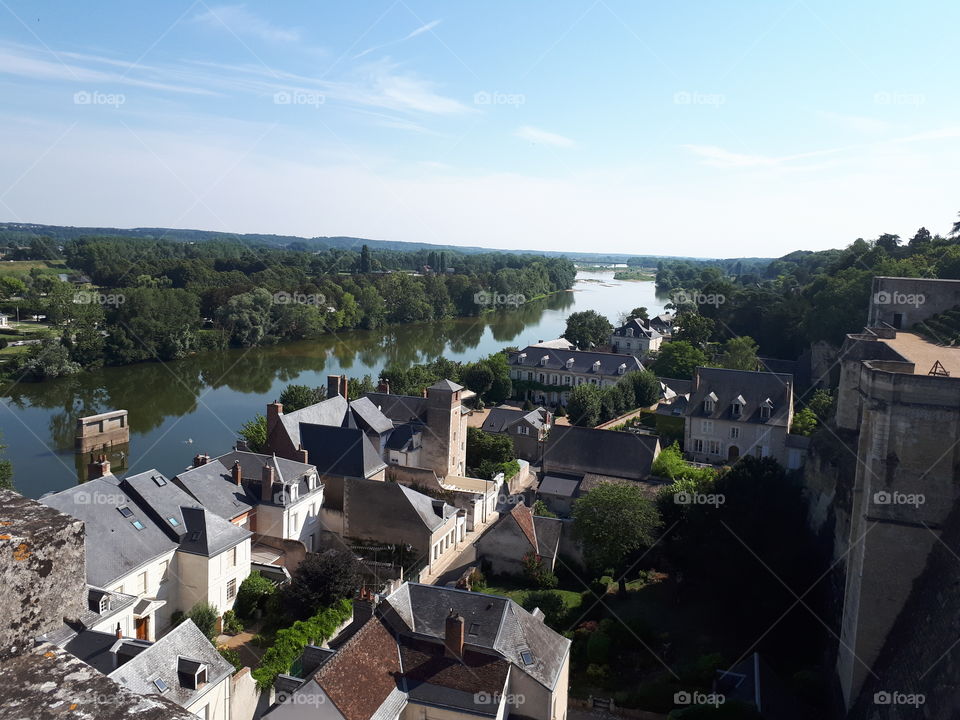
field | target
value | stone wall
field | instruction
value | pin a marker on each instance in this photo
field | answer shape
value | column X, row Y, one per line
column 912, row 299
column 42, row 570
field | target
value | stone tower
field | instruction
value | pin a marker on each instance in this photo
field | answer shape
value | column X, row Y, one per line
column 445, row 437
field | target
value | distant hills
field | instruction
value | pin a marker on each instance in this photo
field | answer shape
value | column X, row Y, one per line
column 24, row 232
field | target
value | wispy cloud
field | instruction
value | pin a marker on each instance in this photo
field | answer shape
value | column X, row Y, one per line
column 409, row 36
column 720, row 157
column 237, row 19
column 542, row 137
column 857, row 123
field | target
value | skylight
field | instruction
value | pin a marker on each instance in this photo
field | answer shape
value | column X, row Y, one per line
column 137, row 524
column 527, row 657
column 474, row 629
column 125, row 511
column 173, row 521
column 160, row 685
column 195, row 536
column 160, row 480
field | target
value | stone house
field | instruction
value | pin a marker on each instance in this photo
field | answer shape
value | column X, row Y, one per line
column 517, row 534
column 579, row 452
column 737, row 412
column 438, row 652
column 527, row 430
column 549, row 374
column 636, row 337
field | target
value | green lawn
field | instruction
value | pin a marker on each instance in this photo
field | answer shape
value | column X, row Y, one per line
column 23, row 267
column 518, row 592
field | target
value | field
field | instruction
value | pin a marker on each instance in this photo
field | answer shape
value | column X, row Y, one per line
column 23, row 267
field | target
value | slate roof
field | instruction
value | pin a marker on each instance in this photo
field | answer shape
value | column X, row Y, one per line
column 559, row 485
column 209, row 534
column 583, row 361
column 368, row 413
column 115, row 548
column 548, row 535
column 558, row 344
column 161, row 660
column 639, row 330
column 427, row 508
column 400, row 408
column 331, row 411
column 754, row 387
column 672, row 386
column 405, row 436
column 445, row 384
column 573, row 449
column 340, row 451
column 99, row 649
column 501, row 419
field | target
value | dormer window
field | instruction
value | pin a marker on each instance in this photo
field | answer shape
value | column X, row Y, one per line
column 622, row 369
column 544, row 359
column 766, row 407
column 736, row 407
column 523, row 356
column 192, row 673
column 596, row 366
column 569, row 364
column 710, row 402
column 629, row 332
column 104, row 604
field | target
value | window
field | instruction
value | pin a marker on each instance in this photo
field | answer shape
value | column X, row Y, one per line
column 159, row 480
column 173, row 521
column 231, row 589
column 233, row 556
column 765, row 412
column 713, row 447
column 194, row 536
column 104, row 604
column 734, row 433
column 164, row 565
column 474, row 629
column 736, row 409
column 529, row 376
column 566, row 380
column 313, row 513
column 293, row 523
column 527, row 657
column 160, row 685
column 706, row 426
column 137, row 524
column 142, row 583
column 698, row 445
column 125, row 511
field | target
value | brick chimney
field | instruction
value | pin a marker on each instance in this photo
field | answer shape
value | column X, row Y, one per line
column 236, row 473
column 98, row 467
column 333, row 386
column 274, row 411
column 119, row 632
column 384, row 387
column 301, row 454
column 266, row 484
column 453, row 634
column 201, row 459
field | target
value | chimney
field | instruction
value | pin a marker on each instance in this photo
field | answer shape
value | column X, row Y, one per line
column 98, row 467
column 201, row 459
column 335, row 385
column 453, row 634
column 301, row 454
column 119, row 632
column 266, row 484
column 384, row 387
column 344, row 386
column 242, row 446
column 274, row 411
column 236, row 473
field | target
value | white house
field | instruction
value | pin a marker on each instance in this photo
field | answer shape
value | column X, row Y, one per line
column 636, row 337
column 550, row 374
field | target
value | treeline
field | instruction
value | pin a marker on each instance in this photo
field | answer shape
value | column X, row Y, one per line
column 162, row 300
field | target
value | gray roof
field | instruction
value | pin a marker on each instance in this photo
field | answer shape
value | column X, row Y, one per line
column 572, row 449
column 161, row 499
column 639, row 329
column 548, row 535
column 445, row 384
column 400, row 408
column 583, row 361
column 331, row 411
column 209, row 534
column 499, row 624
column 115, row 547
column 341, row 451
column 368, row 414
column 103, row 650
column 559, row 485
column 427, row 508
column 755, row 387
column 161, row 660
column 405, row 436
column 501, row 419
column 677, row 387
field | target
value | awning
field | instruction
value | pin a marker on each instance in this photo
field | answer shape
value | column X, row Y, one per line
column 147, row 606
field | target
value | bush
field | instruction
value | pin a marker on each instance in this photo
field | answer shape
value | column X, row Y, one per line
column 231, row 623
column 289, row 643
column 252, row 597
column 478, row 582
column 177, row 617
column 540, row 508
column 537, row 573
column 550, row 603
column 231, row 656
column 205, row 616
column 598, row 648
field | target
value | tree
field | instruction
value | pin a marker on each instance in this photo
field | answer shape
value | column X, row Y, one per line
column 254, row 433
column 11, row 286
column 645, row 386
column 477, row 377
column 295, row 397
column 365, row 266
column 205, row 616
column 44, row 360
column 489, row 454
column 821, row 404
column 358, row 387
column 804, row 422
column 252, row 597
column 678, row 360
column 583, row 405
column 921, row 239
column 694, row 328
column 739, row 353
column 320, row 580
column 540, row 509
column 587, row 328
column 639, row 313
column 888, row 242
column 614, row 521
column 6, row 470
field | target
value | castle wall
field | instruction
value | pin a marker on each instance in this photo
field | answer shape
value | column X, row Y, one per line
column 901, row 302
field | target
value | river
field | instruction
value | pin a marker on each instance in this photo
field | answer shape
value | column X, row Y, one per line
column 196, row 405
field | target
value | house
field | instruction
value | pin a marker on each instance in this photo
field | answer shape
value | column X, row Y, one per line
column 558, row 344
column 516, row 535
column 735, row 412
column 182, row 667
column 527, row 429
column 476, row 497
column 431, row 651
column 581, row 452
column 636, row 337
column 149, row 539
column 558, row 492
column 664, row 323
column 268, row 495
column 548, row 375
column 394, row 514
column 359, row 438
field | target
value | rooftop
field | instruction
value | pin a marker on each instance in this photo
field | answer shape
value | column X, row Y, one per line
column 924, row 354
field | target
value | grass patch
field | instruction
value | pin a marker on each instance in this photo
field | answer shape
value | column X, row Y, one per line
column 23, row 267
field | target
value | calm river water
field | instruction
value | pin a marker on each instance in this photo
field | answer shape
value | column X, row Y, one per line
column 196, row 405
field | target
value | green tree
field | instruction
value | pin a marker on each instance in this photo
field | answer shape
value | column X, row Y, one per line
column 477, row 377
column 638, row 313
column 587, row 328
column 6, row 469
column 43, row 361
column 739, row 353
column 694, row 328
column 365, row 265
column 254, row 433
column 804, row 422
column 252, row 597
column 540, row 509
column 320, row 580
column 821, row 405
column 205, row 616
column 584, row 405
column 295, row 397
column 678, row 360
column 490, row 453
column 11, row 286
column 614, row 521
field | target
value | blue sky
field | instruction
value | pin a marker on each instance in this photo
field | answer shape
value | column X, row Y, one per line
column 690, row 128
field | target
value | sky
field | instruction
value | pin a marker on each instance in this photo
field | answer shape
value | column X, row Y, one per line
column 696, row 128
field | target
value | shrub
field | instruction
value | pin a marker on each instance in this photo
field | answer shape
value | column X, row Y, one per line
column 231, row 623
column 540, row 508
column 289, row 643
column 478, row 582
column 598, row 648
column 205, row 616
column 550, row 603
column 252, row 597
column 177, row 617
column 231, row 656
column 535, row 571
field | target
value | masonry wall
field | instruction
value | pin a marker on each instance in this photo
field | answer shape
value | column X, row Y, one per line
column 42, row 570
column 914, row 299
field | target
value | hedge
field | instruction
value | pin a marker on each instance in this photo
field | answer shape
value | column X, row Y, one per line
column 290, row 642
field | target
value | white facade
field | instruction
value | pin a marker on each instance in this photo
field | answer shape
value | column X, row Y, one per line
column 214, row 704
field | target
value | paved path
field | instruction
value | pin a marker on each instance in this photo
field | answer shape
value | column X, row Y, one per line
column 249, row 652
